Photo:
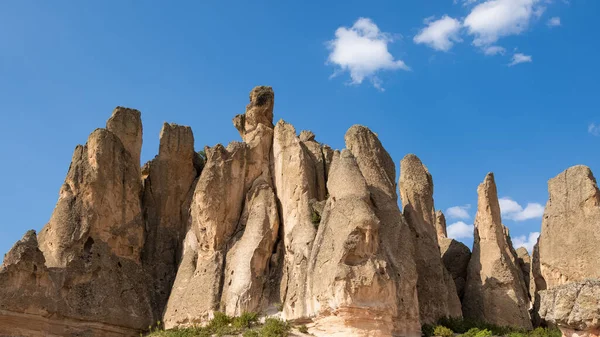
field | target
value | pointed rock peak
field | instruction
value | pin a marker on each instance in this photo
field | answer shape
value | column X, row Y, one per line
column 488, row 207
column 440, row 224
column 307, row 136
column 372, row 157
column 522, row 252
column 416, row 175
column 262, row 96
column 175, row 139
column 126, row 124
column 258, row 111
column 26, row 248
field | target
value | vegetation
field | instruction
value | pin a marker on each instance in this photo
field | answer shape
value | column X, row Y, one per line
column 315, row 218
column 474, row 328
column 442, row 331
column 303, row 329
column 221, row 325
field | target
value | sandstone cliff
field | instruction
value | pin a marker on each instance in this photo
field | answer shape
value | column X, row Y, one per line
column 282, row 224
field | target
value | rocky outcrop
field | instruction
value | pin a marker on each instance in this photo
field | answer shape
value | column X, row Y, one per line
column 524, row 261
column 345, row 271
column 456, row 257
column 440, row 225
column 168, row 184
column 494, row 291
column 85, row 275
column 568, row 244
column 294, row 177
column 282, row 224
column 396, row 247
column 435, row 286
column 574, row 307
column 100, row 196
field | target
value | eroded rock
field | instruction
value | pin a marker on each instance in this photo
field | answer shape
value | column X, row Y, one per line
column 574, row 307
column 495, row 291
column 396, row 245
column 435, row 286
column 570, row 236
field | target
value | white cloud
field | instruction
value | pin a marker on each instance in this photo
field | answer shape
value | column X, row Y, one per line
column 493, row 50
column 493, row 19
column 527, row 242
column 511, row 210
column 594, row 129
column 460, row 230
column 458, row 212
column 554, row 22
column 520, row 58
column 362, row 50
column 439, row 34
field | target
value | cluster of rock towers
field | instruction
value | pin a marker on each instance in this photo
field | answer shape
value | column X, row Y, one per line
column 280, row 223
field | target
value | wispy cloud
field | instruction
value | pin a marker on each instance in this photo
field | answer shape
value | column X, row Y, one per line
column 511, row 210
column 460, row 230
column 527, row 242
column 494, row 50
column 554, row 22
column 439, row 34
column 458, row 212
column 494, row 19
column 362, row 50
column 594, row 129
column 520, row 58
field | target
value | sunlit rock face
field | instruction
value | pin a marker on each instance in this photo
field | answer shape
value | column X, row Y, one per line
column 281, row 224
column 495, row 290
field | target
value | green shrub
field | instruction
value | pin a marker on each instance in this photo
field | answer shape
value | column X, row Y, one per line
column 303, row 329
column 484, row 333
column 250, row 333
column 315, row 218
column 545, row 332
column 245, row 320
column 274, row 327
column 471, row 332
column 442, row 331
column 427, row 330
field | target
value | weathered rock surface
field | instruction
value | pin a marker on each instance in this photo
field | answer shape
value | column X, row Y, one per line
column 100, row 198
column 524, row 261
column 570, row 234
column 435, row 286
column 248, row 258
column 345, row 271
column 574, row 307
column 494, row 291
column 455, row 257
column 167, row 189
column 215, row 211
column 395, row 242
column 440, row 225
column 294, row 178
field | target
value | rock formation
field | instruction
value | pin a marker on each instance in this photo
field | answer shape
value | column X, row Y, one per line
column 435, row 286
column 396, row 247
column 495, row 291
column 566, row 259
column 524, row 262
column 574, row 307
column 455, row 257
column 282, row 224
column 440, row 225
column 570, row 233
column 86, row 275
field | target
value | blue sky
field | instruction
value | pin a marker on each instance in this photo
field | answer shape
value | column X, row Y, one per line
column 508, row 86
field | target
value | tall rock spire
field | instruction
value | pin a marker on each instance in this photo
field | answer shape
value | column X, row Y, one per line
column 435, row 286
column 495, row 291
